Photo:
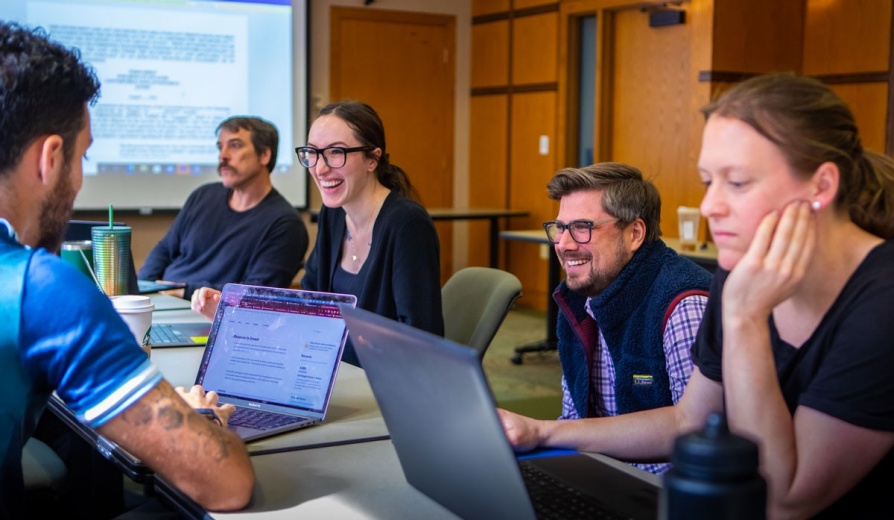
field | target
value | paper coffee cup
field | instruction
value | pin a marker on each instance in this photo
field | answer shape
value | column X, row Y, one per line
column 136, row 311
column 689, row 220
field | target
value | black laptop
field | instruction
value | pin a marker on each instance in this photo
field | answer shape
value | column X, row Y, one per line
column 442, row 419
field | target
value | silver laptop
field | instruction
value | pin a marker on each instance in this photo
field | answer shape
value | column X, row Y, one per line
column 274, row 354
column 441, row 416
column 187, row 334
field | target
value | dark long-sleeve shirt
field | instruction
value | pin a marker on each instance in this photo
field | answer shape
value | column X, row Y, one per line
column 211, row 245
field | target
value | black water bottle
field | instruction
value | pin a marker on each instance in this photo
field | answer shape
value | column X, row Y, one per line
column 714, row 476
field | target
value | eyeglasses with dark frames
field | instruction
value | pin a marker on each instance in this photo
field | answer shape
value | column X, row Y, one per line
column 333, row 156
column 581, row 230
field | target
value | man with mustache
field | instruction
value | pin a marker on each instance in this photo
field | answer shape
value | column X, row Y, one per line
column 240, row 230
column 629, row 307
column 57, row 332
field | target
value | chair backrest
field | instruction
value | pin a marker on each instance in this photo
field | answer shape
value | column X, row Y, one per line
column 475, row 302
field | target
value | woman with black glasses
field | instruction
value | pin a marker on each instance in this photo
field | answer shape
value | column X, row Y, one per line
column 374, row 240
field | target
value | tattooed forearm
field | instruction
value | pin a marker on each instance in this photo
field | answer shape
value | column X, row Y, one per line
column 215, row 440
column 170, row 417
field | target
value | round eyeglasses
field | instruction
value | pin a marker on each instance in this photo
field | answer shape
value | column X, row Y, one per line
column 333, row 156
column 581, row 230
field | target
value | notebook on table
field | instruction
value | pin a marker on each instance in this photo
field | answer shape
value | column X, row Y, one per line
column 443, row 423
column 274, row 354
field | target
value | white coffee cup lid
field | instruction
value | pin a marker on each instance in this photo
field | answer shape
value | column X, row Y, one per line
column 130, row 302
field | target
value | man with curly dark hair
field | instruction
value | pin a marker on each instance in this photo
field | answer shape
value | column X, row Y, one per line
column 58, row 332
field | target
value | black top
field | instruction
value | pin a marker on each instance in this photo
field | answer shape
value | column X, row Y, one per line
column 401, row 277
column 844, row 369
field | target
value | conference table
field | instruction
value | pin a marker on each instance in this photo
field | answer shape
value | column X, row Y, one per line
column 346, row 467
column 492, row 215
column 705, row 255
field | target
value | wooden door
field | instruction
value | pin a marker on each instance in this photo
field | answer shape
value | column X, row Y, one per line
column 654, row 120
column 402, row 64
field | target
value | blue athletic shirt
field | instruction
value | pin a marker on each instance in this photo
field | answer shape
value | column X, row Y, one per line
column 72, row 341
column 58, row 332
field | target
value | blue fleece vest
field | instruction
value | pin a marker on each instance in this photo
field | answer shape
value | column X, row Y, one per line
column 630, row 312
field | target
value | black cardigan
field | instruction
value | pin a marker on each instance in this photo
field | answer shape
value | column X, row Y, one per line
column 401, row 278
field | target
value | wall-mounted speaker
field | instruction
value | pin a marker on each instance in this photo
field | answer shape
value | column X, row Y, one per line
column 665, row 17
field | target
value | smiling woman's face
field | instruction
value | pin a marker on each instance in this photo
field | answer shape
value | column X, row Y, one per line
column 339, row 186
column 746, row 177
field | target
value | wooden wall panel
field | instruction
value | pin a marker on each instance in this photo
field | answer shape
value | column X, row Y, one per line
column 532, row 115
column 524, row 4
column 401, row 63
column 867, row 102
column 534, row 48
column 490, row 56
column 488, row 172
column 480, row 7
column 757, row 35
column 652, row 112
column 847, row 37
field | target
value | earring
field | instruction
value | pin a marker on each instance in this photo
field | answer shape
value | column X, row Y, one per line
column 816, row 205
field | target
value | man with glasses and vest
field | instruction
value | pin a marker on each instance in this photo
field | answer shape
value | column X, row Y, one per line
column 629, row 307
column 240, row 230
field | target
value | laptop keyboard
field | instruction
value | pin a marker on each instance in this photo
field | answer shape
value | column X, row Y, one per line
column 164, row 333
column 553, row 499
column 261, row 419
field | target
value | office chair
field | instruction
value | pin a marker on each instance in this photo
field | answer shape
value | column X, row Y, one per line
column 475, row 301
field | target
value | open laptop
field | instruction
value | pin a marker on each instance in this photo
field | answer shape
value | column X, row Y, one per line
column 186, row 334
column 152, row 286
column 274, row 354
column 442, row 419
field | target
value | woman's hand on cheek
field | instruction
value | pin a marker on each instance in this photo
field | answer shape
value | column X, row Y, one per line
column 774, row 264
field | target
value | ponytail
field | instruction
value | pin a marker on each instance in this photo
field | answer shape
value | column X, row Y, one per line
column 872, row 206
column 395, row 179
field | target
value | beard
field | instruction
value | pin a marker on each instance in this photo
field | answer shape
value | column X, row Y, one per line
column 55, row 212
column 598, row 280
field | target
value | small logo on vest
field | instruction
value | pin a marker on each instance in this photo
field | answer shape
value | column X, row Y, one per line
column 642, row 380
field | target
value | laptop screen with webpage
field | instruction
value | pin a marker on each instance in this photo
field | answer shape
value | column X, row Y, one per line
column 276, row 349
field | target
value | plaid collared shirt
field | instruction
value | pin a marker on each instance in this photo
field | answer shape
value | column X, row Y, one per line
column 679, row 336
